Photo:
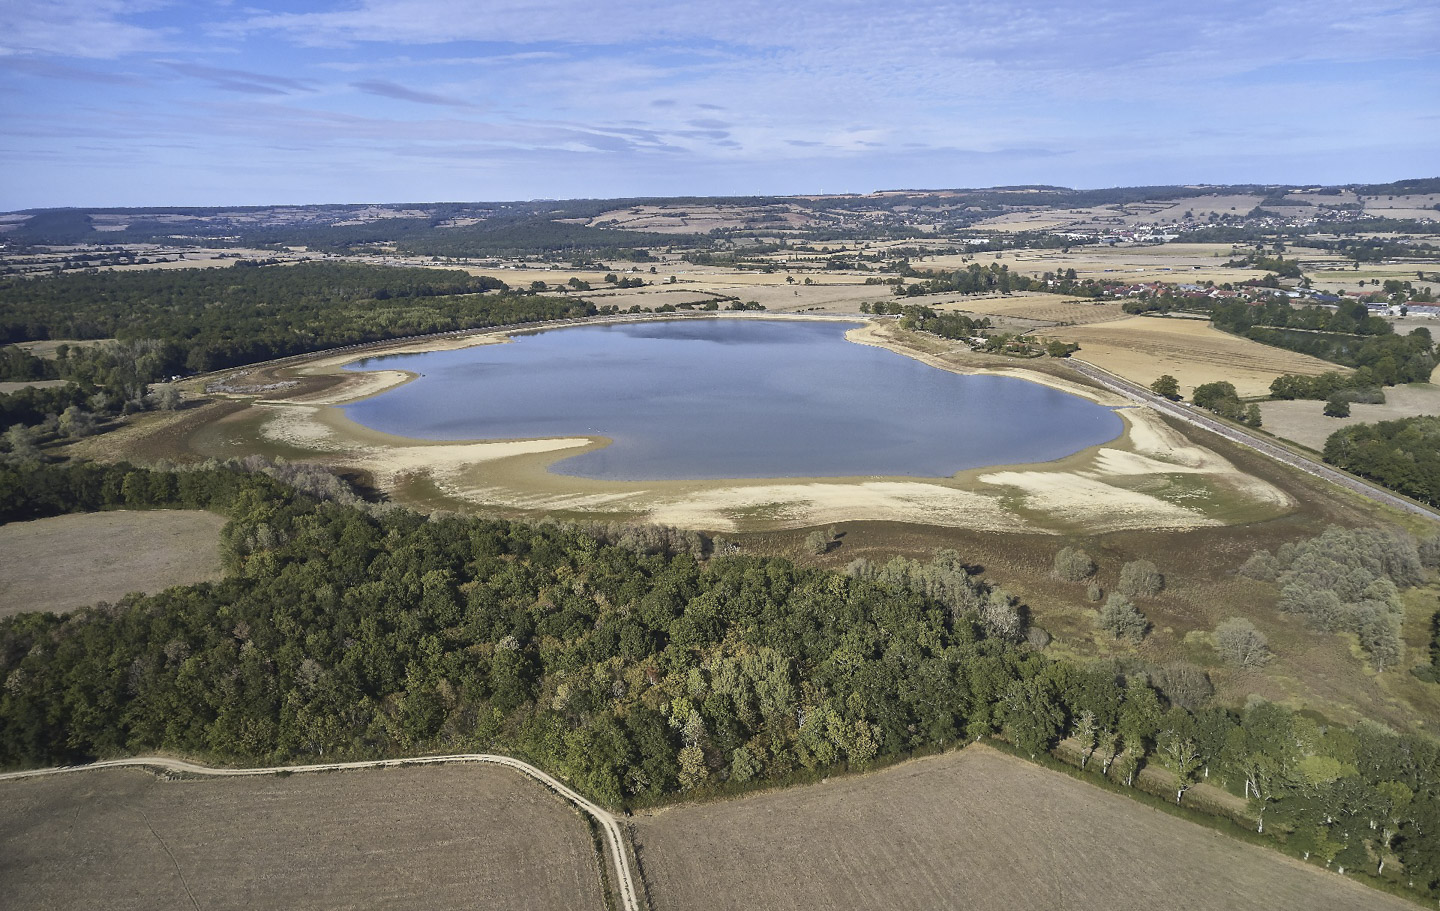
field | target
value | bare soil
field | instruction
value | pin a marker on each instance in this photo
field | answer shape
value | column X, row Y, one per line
column 433, row 837
column 66, row 562
column 975, row 829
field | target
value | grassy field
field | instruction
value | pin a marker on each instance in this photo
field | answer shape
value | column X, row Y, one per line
column 1305, row 422
column 1194, row 352
column 975, row 829
column 7, row 388
column 72, row 561
column 433, row 838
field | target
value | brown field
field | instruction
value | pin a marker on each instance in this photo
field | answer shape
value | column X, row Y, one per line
column 66, row 562
column 1048, row 308
column 973, row 829
column 1142, row 348
column 1306, row 423
column 432, row 837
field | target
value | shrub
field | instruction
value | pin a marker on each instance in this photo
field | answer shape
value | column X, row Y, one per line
column 1073, row 565
column 817, row 542
column 1238, row 642
column 1140, row 579
column 1121, row 619
column 1262, row 566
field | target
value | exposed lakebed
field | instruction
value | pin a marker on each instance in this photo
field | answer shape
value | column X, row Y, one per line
column 701, row 399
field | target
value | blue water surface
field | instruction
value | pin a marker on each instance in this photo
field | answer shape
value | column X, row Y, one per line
column 731, row 398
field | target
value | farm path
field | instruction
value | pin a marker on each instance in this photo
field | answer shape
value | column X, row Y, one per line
column 1236, row 435
column 625, row 881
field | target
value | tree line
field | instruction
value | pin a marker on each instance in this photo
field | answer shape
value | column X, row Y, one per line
column 1403, row 455
column 638, row 666
column 216, row 318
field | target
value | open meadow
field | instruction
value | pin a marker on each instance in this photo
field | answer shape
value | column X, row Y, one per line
column 975, row 829
column 1305, row 422
column 430, row 837
column 65, row 562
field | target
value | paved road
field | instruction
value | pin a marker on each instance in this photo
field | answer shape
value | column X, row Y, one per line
column 624, row 880
column 1230, row 432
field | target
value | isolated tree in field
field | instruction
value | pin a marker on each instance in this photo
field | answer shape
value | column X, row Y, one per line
column 1120, row 618
column 1238, row 642
column 1073, row 565
column 817, row 542
column 1337, row 406
column 1094, row 592
column 1140, row 579
column 1167, row 386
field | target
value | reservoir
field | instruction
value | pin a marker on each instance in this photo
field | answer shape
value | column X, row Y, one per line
column 731, row 398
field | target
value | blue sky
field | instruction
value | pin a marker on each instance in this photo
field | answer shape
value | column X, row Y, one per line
column 147, row 102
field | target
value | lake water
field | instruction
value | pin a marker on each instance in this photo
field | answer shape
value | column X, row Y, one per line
column 731, row 398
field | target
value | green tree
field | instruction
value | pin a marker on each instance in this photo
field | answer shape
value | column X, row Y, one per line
column 1140, row 579
column 1073, row 565
column 1121, row 619
column 1238, row 642
column 1166, row 386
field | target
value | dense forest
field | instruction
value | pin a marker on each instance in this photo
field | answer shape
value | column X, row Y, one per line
column 639, row 665
column 1404, row 455
column 216, row 318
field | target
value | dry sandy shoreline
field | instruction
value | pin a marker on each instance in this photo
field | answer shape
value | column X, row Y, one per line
column 1149, row 477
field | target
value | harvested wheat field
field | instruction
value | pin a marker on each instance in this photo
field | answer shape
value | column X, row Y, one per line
column 973, row 829
column 1050, row 308
column 1142, row 348
column 66, row 562
column 432, row 837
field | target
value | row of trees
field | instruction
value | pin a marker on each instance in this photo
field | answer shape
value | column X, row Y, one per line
column 345, row 631
column 1347, row 335
column 1403, row 455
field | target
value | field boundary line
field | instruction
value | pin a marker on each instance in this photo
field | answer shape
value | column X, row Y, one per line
column 624, row 878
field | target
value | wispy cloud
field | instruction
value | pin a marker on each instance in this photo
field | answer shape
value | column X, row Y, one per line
column 545, row 97
column 401, row 93
column 241, row 80
column 78, row 28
